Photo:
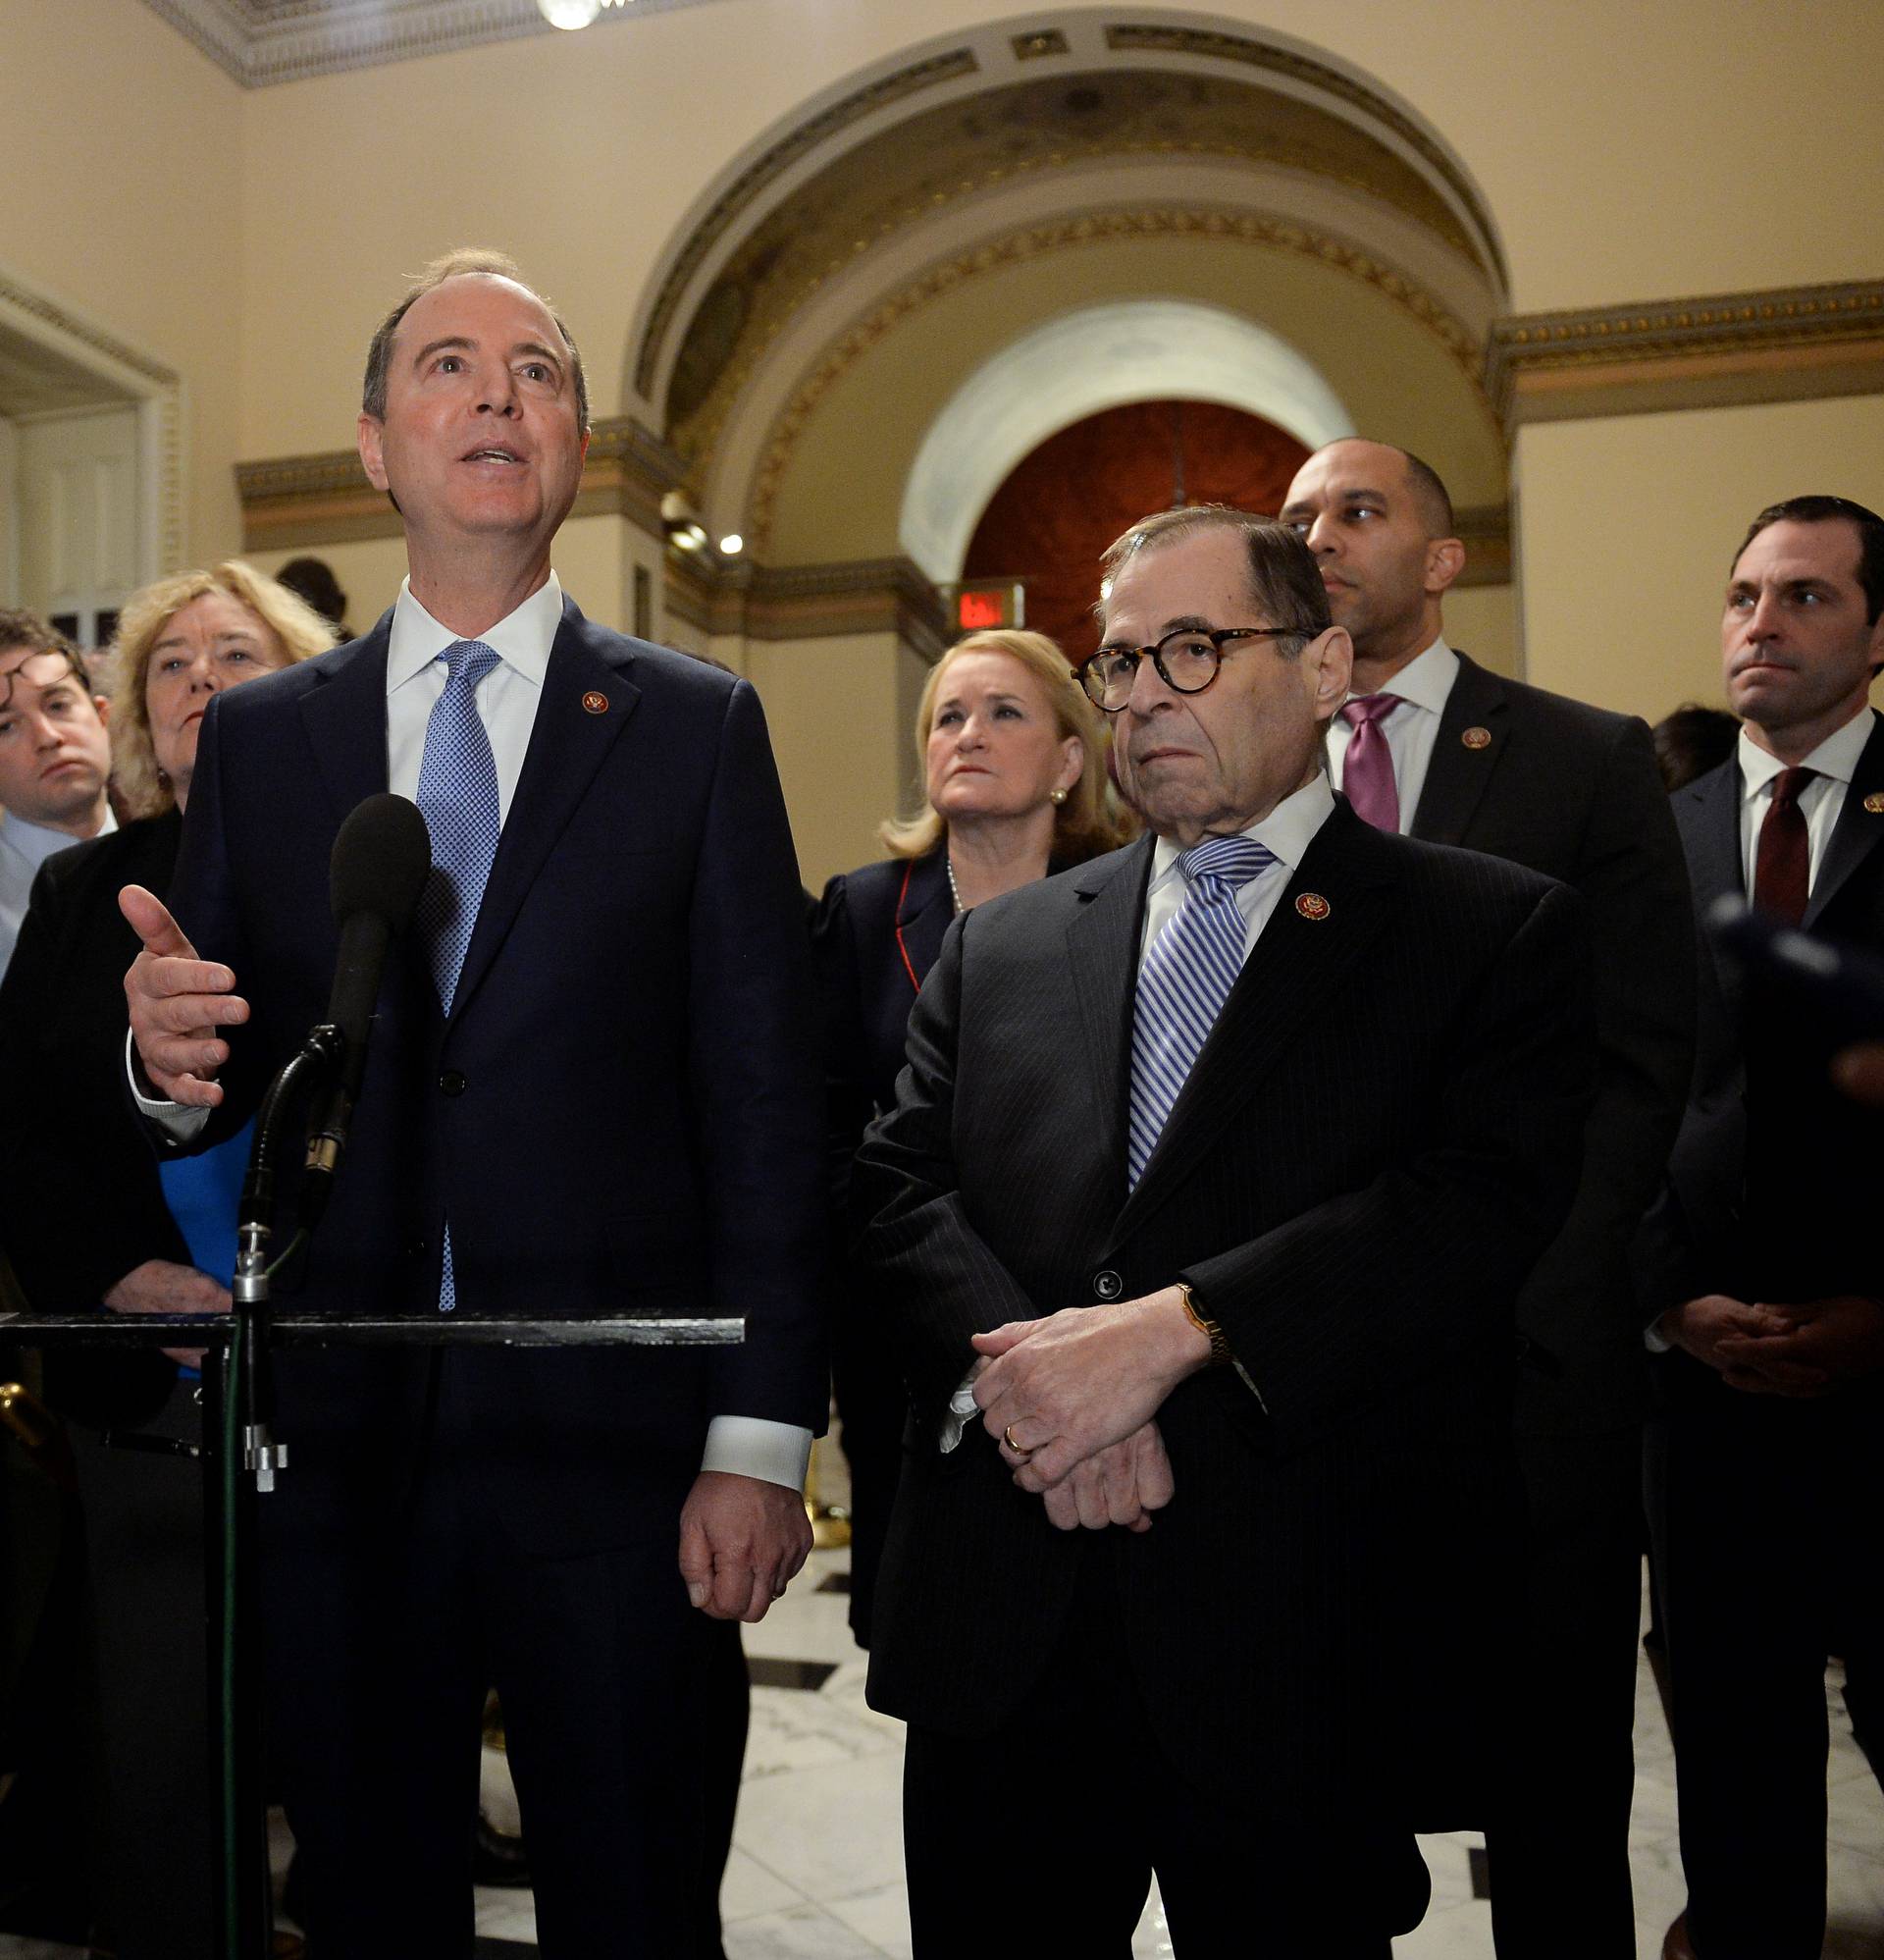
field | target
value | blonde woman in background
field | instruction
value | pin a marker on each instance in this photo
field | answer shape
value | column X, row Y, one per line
column 1012, row 761
column 92, row 1220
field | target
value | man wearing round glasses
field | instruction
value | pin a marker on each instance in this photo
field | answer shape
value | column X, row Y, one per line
column 1211, row 1178
column 55, row 759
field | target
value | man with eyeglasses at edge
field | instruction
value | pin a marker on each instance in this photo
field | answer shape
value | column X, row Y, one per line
column 55, row 759
column 1434, row 746
column 1215, row 1167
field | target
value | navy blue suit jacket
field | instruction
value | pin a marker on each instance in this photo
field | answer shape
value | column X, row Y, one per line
column 622, row 1112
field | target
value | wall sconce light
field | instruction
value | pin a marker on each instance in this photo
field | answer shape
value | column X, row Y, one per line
column 681, row 522
column 731, row 545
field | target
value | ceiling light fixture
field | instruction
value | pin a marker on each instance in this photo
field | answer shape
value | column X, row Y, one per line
column 574, row 13
column 731, row 545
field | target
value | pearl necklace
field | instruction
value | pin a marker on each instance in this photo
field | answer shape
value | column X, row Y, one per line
column 954, row 890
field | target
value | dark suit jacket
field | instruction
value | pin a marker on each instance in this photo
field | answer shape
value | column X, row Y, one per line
column 1774, row 1182
column 622, row 1111
column 1375, row 1143
column 1574, row 792
column 868, row 980
column 79, row 1187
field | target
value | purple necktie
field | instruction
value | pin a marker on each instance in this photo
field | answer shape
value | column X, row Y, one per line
column 1367, row 775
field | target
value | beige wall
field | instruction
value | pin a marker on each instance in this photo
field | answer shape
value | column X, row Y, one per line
column 1629, row 524
column 839, row 712
column 1483, row 620
column 124, row 201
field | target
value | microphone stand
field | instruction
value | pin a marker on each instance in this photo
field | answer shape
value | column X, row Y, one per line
column 247, row 1461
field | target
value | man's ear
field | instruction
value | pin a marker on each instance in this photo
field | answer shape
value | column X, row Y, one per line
column 370, row 432
column 102, row 702
column 1444, row 560
column 1332, row 655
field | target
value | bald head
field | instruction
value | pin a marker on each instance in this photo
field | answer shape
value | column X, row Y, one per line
column 1380, row 525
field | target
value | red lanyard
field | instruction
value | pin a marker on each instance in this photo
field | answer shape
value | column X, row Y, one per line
column 908, row 965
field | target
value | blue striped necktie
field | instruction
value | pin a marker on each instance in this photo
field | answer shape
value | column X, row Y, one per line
column 459, row 798
column 1183, row 985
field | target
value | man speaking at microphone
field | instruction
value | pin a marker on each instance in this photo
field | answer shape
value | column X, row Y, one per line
column 587, row 1093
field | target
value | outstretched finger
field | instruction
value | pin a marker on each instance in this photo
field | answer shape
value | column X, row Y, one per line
column 149, row 918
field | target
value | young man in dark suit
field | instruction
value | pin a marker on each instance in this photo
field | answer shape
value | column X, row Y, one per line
column 1217, row 1238
column 1432, row 745
column 1761, row 1259
column 591, row 1087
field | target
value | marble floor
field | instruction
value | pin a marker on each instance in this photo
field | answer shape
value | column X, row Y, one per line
column 817, row 1869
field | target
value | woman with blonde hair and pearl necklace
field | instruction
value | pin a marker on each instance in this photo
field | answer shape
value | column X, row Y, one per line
column 1012, row 761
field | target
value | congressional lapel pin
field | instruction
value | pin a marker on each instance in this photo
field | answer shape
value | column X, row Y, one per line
column 1312, row 905
column 1874, row 803
column 595, row 704
column 1477, row 738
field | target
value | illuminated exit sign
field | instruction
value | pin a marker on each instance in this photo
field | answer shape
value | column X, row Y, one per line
column 978, row 607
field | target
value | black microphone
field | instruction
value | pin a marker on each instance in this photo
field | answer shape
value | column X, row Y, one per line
column 380, row 861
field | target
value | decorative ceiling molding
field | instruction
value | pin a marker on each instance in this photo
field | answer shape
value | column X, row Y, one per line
column 1786, row 343
column 1215, row 45
column 739, row 196
column 290, row 501
column 261, row 43
column 1070, row 233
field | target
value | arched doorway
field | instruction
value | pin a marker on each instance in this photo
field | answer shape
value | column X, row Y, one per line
column 1064, row 504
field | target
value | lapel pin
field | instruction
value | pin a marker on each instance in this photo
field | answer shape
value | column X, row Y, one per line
column 595, row 704
column 1477, row 738
column 1874, row 803
column 1312, row 905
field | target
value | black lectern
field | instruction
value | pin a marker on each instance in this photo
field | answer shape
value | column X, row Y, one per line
column 240, row 1461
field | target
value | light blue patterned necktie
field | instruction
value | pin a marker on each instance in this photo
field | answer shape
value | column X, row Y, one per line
column 459, row 798
column 1183, row 985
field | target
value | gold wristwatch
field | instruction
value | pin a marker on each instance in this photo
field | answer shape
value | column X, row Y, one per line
column 1214, row 1334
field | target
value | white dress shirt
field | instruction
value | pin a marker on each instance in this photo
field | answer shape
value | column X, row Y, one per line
column 24, row 848
column 777, row 1453
column 1412, row 729
column 1833, row 764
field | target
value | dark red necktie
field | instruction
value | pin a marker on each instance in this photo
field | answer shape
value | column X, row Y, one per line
column 1782, row 862
column 1367, row 774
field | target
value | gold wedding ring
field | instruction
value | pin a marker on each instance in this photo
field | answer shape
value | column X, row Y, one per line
column 1016, row 1448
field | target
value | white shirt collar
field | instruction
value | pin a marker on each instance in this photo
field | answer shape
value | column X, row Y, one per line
column 1427, row 679
column 522, row 639
column 1286, row 831
column 1836, row 756
column 37, row 842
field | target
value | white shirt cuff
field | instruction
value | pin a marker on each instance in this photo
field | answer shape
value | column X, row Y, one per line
column 749, row 1446
column 962, row 1411
column 178, row 1121
column 1654, row 1339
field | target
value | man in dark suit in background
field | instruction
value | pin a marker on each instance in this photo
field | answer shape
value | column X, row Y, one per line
column 1763, row 1263
column 593, row 1087
column 1237, row 1287
column 1432, row 745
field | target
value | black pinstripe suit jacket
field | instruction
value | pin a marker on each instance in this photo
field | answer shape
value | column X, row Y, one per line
column 1377, row 1141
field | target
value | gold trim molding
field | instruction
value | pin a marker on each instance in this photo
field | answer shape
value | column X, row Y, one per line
column 745, row 186
column 1214, row 45
column 1067, row 234
column 835, row 600
column 1785, row 343
column 326, row 500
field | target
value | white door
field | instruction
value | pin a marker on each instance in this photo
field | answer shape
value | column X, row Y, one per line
column 77, row 506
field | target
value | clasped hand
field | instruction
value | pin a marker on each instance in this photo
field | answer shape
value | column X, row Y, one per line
column 1070, row 1399
column 1803, row 1349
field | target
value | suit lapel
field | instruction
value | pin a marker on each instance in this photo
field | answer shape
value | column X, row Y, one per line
column 1458, row 774
column 1858, row 830
column 1711, row 837
column 1102, row 948
column 344, row 718
column 1295, row 968
column 926, row 914
column 568, row 743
